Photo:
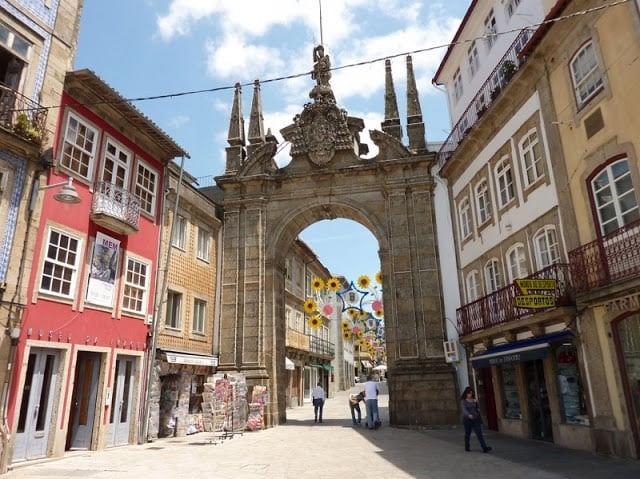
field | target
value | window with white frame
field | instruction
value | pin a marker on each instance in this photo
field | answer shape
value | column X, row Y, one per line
column 79, row 147
column 288, row 318
column 483, row 202
column 14, row 60
column 504, row 180
column 204, row 244
column 287, row 274
column 179, row 239
column 199, row 316
column 146, row 187
column 173, row 316
column 465, row 218
column 511, row 6
column 615, row 196
column 586, row 74
column 134, row 297
column 473, row 286
column 517, row 262
column 307, row 286
column 490, row 29
column 458, row 88
column 492, row 280
column 300, row 325
column 60, row 269
column 546, row 244
column 474, row 59
column 117, row 162
column 531, row 157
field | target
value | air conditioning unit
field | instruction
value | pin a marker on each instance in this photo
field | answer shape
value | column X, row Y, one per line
column 451, row 351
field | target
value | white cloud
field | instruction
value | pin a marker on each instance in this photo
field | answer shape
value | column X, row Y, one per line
column 178, row 120
column 233, row 56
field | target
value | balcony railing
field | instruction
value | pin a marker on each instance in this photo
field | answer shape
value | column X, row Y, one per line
column 21, row 115
column 297, row 340
column 487, row 94
column 499, row 307
column 611, row 258
column 322, row 347
column 115, row 208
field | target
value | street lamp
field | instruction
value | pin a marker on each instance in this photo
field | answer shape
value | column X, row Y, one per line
column 67, row 194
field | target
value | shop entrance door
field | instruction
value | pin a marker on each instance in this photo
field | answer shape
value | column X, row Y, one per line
column 628, row 339
column 121, row 398
column 82, row 415
column 540, row 413
column 40, row 383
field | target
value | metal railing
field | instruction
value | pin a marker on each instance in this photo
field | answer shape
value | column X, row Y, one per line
column 322, row 347
column 499, row 307
column 116, row 202
column 21, row 115
column 610, row 258
column 486, row 95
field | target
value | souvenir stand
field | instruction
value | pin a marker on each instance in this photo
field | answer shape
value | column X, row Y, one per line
column 259, row 398
column 224, row 406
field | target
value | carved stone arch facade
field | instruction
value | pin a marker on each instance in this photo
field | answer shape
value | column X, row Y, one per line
column 267, row 207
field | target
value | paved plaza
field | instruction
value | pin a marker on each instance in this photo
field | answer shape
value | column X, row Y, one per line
column 333, row 449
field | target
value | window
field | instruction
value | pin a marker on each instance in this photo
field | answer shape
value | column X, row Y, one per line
column 483, row 202
column 116, row 165
column 615, row 197
column 457, row 85
column 474, row 59
column 465, row 218
column 135, row 286
column 199, row 316
column 531, row 157
column 517, row 262
column 79, row 147
column 572, row 401
column 546, row 243
column 490, row 29
column 288, row 317
column 586, row 75
column 146, row 187
column 174, row 310
column 473, row 286
column 492, row 276
column 204, row 244
column 307, row 286
column 179, row 239
column 13, row 61
column 504, row 180
column 511, row 398
column 60, row 270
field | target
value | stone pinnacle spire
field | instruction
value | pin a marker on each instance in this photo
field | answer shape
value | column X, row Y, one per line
column 256, row 120
column 415, row 125
column 236, row 123
column 391, row 124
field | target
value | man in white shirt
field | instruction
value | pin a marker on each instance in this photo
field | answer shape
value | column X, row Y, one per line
column 371, row 402
column 318, row 396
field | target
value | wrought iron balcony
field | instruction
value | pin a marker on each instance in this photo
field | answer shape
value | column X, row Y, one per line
column 486, row 95
column 608, row 259
column 322, row 347
column 21, row 115
column 499, row 307
column 309, row 343
column 115, row 208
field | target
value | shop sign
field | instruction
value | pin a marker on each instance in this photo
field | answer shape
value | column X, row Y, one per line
column 525, row 285
column 535, row 301
column 627, row 303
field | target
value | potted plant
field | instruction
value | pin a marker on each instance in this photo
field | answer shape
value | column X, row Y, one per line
column 507, row 70
column 495, row 92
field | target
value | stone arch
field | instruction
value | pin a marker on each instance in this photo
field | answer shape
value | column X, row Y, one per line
column 266, row 207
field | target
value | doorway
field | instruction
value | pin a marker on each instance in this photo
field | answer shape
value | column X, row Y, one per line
column 121, row 401
column 82, row 415
column 40, row 384
column 538, row 397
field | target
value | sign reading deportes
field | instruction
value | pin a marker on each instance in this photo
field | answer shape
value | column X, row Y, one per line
column 535, row 300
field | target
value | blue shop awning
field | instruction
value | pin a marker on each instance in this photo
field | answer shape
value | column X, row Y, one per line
column 524, row 350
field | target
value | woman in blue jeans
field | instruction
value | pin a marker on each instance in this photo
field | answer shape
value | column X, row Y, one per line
column 470, row 413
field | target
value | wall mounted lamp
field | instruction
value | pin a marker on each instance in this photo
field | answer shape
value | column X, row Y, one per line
column 67, row 194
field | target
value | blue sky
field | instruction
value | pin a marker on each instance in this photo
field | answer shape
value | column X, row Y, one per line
column 145, row 48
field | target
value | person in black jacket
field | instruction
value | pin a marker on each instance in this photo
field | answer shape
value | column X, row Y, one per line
column 471, row 420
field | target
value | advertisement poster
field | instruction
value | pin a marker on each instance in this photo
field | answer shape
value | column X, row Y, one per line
column 104, row 266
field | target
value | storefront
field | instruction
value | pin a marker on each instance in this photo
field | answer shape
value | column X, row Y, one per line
column 537, row 388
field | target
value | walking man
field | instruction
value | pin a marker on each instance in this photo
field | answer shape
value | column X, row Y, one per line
column 371, row 402
column 318, row 396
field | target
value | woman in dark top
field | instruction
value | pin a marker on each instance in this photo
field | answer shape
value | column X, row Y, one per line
column 470, row 413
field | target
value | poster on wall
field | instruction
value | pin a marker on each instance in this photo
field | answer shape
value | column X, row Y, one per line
column 104, row 266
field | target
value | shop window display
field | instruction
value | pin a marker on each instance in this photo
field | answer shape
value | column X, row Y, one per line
column 511, row 399
column 570, row 392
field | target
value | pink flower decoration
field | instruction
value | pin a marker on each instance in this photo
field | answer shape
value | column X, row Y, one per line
column 327, row 310
column 376, row 305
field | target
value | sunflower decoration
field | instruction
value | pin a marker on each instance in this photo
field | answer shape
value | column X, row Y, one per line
column 317, row 284
column 346, row 335
column 378, row 313
column 333, row 284
column 346, row 324
column 379, row 277
column 315, row 321
column 310, row 306
column 364, row 282
column 362, row 343
column 353, row 313
column 362, row 314
column 360, row 334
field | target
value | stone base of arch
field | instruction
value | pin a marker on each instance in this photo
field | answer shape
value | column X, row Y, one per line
column 423, row 393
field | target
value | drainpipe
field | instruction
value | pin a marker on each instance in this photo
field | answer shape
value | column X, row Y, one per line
column 216, row 310
column 159, row 299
